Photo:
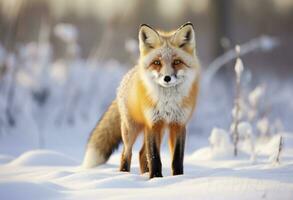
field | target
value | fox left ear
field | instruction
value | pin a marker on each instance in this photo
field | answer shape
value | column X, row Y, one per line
column 184, row 37
column 149, row 38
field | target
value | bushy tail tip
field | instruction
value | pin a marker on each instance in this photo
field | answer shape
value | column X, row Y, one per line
column 93, row 158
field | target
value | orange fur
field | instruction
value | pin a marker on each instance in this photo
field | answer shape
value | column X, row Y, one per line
column 140, row 101
column 174, row 129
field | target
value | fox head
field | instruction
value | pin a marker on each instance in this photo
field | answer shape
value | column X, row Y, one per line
column 168, row 58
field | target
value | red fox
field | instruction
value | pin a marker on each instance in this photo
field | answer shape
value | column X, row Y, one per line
column 159, row 93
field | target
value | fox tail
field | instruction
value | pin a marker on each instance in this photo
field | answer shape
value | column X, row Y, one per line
column 104, row 139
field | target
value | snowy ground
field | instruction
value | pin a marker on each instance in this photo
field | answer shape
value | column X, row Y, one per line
column 209, row 174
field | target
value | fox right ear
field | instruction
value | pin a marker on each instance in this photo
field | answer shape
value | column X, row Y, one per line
column 184, row 37
column 148, row 38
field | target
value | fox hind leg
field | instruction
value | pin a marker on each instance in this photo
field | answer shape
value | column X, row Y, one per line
column 177, row 143
column 129, row 135
column 143, row 163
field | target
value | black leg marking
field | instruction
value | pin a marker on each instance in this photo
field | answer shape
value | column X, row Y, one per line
column 153, row 155
column 178, row 155
column 124, row 167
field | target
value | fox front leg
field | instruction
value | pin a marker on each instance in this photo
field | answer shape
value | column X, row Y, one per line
column 177, row 143
column 153, row 142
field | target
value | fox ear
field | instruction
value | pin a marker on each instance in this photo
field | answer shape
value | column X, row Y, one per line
column 148, row 38
column 184, row 37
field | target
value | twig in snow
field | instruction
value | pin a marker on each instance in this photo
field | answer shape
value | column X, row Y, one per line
column 279, row 150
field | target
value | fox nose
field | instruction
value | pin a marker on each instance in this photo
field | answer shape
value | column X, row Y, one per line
column 167, row 79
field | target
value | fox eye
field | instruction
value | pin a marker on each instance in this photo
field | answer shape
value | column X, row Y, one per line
column 177, row 62
column 157, row 62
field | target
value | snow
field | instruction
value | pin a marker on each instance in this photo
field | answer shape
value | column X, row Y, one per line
column 42, row 158
column 5, row 159
column 48, row 174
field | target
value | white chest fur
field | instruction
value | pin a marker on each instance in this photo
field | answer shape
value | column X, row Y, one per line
column 169, row 106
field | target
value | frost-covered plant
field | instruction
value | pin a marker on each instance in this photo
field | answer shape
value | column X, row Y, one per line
column 263, row 126
column 276, row 127
column 236, row 110
column 253, row 99
column 220, row 144
column 245, row 131
column 278, row 145
column 218, row 138
column 254, row 95
column 248, row 105
column 263, row 43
